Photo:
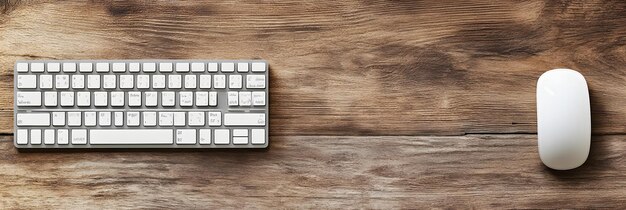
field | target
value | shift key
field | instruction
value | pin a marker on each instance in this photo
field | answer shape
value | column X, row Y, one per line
column 33, row 119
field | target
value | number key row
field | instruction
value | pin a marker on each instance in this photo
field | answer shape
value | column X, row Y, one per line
column 190, row 81
column 137, row 98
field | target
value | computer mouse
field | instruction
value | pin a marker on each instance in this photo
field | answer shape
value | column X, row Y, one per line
column 563, row 119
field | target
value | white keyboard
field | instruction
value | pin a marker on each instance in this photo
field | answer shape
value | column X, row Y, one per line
column 141, row 104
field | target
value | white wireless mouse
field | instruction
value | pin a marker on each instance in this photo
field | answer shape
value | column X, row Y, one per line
column 563, row 119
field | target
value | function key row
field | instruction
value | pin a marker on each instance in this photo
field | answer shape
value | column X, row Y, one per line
column 147, row 67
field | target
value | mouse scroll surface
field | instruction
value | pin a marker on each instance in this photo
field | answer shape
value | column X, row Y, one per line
column 563, row 119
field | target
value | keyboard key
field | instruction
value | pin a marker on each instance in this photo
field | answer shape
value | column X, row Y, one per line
column 190, row 81
column 182, row 67
column 45, row 81
column 166, row 118
column 149, row 67
column 54, row 67
column 212, row 67
column 244, row 119
column 134, row 98
column 215, row 118
column 149, row 119
column 143, row 81
column 35, row 136
column 62, row 81
column 165, row 67
column 228, row 67
column 63, row 136
column 233, row 98
column 245, row 98
column 119, row 118
column 102, row 67
column 74, row 119
column 90, row 118
column 117, row 98
column 109, row 82
column 222, row 136
column 240, row 132
column 50, row 98
column 78, row 81
column 179, row 119
column 205, row 81
column 100, row 99
column 93, row 81
column 168, row 99
column 21, row 67
column 22, row 136
column 234, row 81
column 151, row 98
column 240, row 140
column 219, row 81
column 258, row 67
column 67, row 98
column 126, row 82
column 158, row 81
column 242, row 67
column 49, row 136
column 131, row 136
column 202, row 98
column 121, row 67
column 133, row 67
column 186, row 136
column 28, row 98
column 186, row 98
column 69, row 67
column 258, row 136
column 255, row 81
column 83, row 99
column 26, row 81
column 85, row 67
column 197, row 67
column 212, row 98
column 258, row 98
column 196, row 118
column 79, row 136
column 174, row 81
column 132, row 118
column 205, row 136
column 36, row 67
column 104, row 119
column 58, row 118
column 33, row 119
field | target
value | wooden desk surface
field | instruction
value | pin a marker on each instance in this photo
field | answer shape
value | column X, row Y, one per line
column 375, row 104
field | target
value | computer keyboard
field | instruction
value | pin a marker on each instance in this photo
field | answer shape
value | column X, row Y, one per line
column 141, row 104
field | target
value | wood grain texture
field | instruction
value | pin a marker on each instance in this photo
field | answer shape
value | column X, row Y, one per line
column 346, row 77
column 354, row 67
column 475, row 171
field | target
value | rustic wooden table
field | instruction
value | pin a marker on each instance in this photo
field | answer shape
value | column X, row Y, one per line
column 375, row 104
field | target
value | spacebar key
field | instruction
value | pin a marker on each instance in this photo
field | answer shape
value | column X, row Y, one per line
column 145, row 136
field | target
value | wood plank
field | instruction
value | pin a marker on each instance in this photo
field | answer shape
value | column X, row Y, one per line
column 354, row 67
column 477, row 171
